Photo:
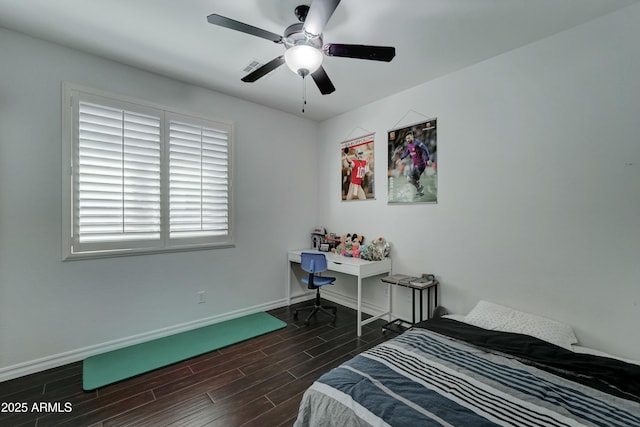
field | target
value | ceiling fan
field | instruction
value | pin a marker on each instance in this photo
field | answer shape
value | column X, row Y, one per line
column 304, row 46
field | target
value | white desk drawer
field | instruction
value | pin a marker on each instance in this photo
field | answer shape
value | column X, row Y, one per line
column 342, row 267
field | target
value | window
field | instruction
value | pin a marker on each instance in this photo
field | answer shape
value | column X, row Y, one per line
column 142, row 179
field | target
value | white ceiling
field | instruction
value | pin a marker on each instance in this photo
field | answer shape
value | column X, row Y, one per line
column 173, row 38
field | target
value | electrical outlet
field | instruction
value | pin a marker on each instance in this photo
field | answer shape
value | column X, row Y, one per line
column 201, row 297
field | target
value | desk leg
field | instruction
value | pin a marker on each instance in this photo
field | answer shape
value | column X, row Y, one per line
column 413, row 306
column 359, row 306
column 389, row 302
column 429, row 303
column 288, row 282
column 435, row 290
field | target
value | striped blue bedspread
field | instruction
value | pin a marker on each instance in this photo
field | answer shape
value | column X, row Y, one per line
column 422, row 378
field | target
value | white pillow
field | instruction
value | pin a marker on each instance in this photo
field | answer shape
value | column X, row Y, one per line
column 496, row 317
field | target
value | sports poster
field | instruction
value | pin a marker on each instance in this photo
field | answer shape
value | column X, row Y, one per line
column 358, row 167
column 413, row 159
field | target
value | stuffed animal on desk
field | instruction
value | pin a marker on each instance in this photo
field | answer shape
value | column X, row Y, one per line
column 350, row 245
column 356, row 249
column 377, row 250
column 340, row 246
column 356, row 242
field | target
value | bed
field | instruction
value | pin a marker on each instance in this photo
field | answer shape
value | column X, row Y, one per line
column 453, row 373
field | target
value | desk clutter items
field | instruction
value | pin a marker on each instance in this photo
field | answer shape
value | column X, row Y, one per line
column 423, row 281
column 317, row 237
column 350, row 245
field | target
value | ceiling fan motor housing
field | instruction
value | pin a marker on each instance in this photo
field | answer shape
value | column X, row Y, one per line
column 295, row 39
column 294, row 35
column 301, row 12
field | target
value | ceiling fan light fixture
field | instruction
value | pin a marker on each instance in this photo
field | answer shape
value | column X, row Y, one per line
column 303, row 59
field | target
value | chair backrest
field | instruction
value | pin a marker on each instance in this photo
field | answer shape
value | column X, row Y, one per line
column 313, row 262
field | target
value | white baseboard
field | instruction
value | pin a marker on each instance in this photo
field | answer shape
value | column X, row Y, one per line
column 53, row 361
column 351, row 302
column 303, row 297
column 56, row 360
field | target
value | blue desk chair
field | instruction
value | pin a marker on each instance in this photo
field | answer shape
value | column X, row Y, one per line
column 314, row 263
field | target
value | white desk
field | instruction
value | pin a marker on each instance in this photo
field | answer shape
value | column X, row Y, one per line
column 353, row 266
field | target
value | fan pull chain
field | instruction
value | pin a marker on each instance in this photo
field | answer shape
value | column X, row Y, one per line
column 304, row 93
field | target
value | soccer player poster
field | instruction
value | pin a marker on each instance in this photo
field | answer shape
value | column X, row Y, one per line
column 357, row 168
column 412, row 170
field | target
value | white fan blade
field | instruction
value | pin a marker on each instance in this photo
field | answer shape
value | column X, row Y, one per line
column 319, row 13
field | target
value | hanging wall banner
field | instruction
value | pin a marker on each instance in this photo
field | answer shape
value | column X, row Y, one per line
column 358, row 168
column 413, row 159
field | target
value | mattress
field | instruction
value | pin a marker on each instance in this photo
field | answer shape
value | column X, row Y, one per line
column 445, row 372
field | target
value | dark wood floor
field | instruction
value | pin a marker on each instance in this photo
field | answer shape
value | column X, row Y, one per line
column 255, row 383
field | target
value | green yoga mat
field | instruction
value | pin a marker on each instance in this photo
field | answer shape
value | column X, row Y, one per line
column 113, row 366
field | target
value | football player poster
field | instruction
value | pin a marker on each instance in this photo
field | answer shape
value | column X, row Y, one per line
column 357, row 168
column 413, row 164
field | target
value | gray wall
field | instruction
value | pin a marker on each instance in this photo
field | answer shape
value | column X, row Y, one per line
column 539, row 183
column 53, row 312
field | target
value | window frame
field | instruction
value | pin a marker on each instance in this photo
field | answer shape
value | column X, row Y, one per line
column 72, row 95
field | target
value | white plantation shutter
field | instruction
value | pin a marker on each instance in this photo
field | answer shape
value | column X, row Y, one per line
column 118, row 165
column 143, row 179
column 198, row 180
